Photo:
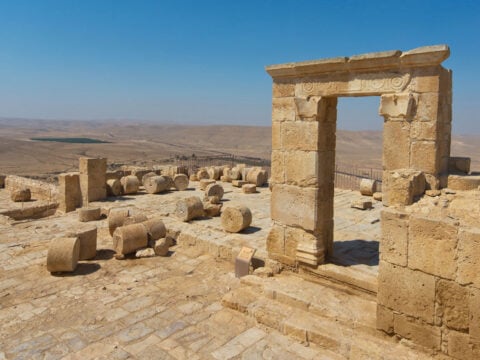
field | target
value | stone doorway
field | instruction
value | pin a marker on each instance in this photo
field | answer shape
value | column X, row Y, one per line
column 415, row 102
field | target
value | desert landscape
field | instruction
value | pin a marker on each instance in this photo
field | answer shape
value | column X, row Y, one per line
column 145, row 144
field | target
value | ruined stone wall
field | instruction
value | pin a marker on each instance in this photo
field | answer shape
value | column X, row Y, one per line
column 429, row 282
column 40, row 190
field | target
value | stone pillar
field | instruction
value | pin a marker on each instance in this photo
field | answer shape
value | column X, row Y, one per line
column 70, row 196
column 93, row 179
column 303, row 160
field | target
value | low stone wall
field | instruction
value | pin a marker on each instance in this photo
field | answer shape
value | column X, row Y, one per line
column 40, row 190
column 429, row 282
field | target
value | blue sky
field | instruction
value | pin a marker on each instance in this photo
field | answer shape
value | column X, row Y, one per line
column 203, row 61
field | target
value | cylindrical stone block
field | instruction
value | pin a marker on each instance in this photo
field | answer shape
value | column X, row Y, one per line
column 156, row 184
column 148, row 175
column 214, row 190
column 161, row 247
column 19, row 195
column 236, row 218
column 120, row 217
column 189, row 208
column 245, row 172
column 368, row 187
column 212, row 210
column 202, row 174
column 88, row 243
column 155, row 228
column 257, row 177
column 114, row 187
column 89, row 214
column 63, row 254
column 130, row 184
column 249, row 189
column 236, row 173
column 181, row 182
column 205, row 182
column 130, row 238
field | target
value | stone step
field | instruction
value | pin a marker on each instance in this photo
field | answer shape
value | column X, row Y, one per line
column 312, row 313
column 463, row 182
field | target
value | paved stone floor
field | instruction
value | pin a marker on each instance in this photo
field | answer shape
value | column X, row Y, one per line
column 161, row 308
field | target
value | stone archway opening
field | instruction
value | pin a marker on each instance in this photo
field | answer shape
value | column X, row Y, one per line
column 415, row 102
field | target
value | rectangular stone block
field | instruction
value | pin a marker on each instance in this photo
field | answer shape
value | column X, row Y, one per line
column 276, row 240
column 428, row 107
column 424, row 130
column 421, row 333
column 277, row 167
column 70, row 196
column 93, row 179
column 92, row 166
column 406, row 291
column 396, row 145
column 468, row 257
column 327, row 136
column 276, row 136
column 283, row 109
column 283, row 89
column 301, row 168
column 384, row 319
column 423, row 157
column 452, row 300
column 295, row 206
column 402, row 186
column 431, row 247
column 304, row 246
column 474, row 311
column 394, row 244
column 300, row 135
column 459, row 346
column 459, row 164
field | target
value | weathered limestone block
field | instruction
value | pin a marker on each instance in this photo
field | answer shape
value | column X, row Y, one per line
column 406, row 291
column 460, row 347
column 2, row 181
column 245, row 172
column 70, row 196
column 89, row 214
column 88, row 243
column 463, row 182
column 193, row 177
column 459, row 164
column 396, row 145
column 212, row 199
column 238, row 183
column 294, row 206
column 394, row 244
column 474, row 311
column 236, row 173
column 93, row 179
column 236, row 218
column 421, row 333
column 156, row 184
column 162, row 246
column 276, row 240
column 189, row 208
column 305, row 135
column 452, row 300
column 140, row 172
column 63, row 254
column 122, row 216
column 214, row 172
column 249, row 189
column 397, row 105
column 130, row 184
column 310, row 108
column 402, row 186
column 361, row 205
column 257, row 177
column 385, row 319
column 146, row 176
column 212, row 210
column 155, row 229
column 468, row 261
column 114, row 187
column 283, row 89
column 301, row 168
column 214, row 190
column 181, row 182
column 431, row 246
column 378, row 196
column 204, row 183
column 20, row 195
column 202, row 174
column 305, row 246
column 283, row 109
column 39, row 189
column 130, row 238
column 423, row 157
column 368, row 187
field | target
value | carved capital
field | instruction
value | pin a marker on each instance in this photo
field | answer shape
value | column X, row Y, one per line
column 310, row 107
column 399, row 106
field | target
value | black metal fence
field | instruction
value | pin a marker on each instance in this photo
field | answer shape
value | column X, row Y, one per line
column 349, row 176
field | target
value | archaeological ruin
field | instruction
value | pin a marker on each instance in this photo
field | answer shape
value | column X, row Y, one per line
column 232, row 261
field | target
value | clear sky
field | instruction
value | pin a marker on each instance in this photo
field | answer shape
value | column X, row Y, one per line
column 203, row 61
